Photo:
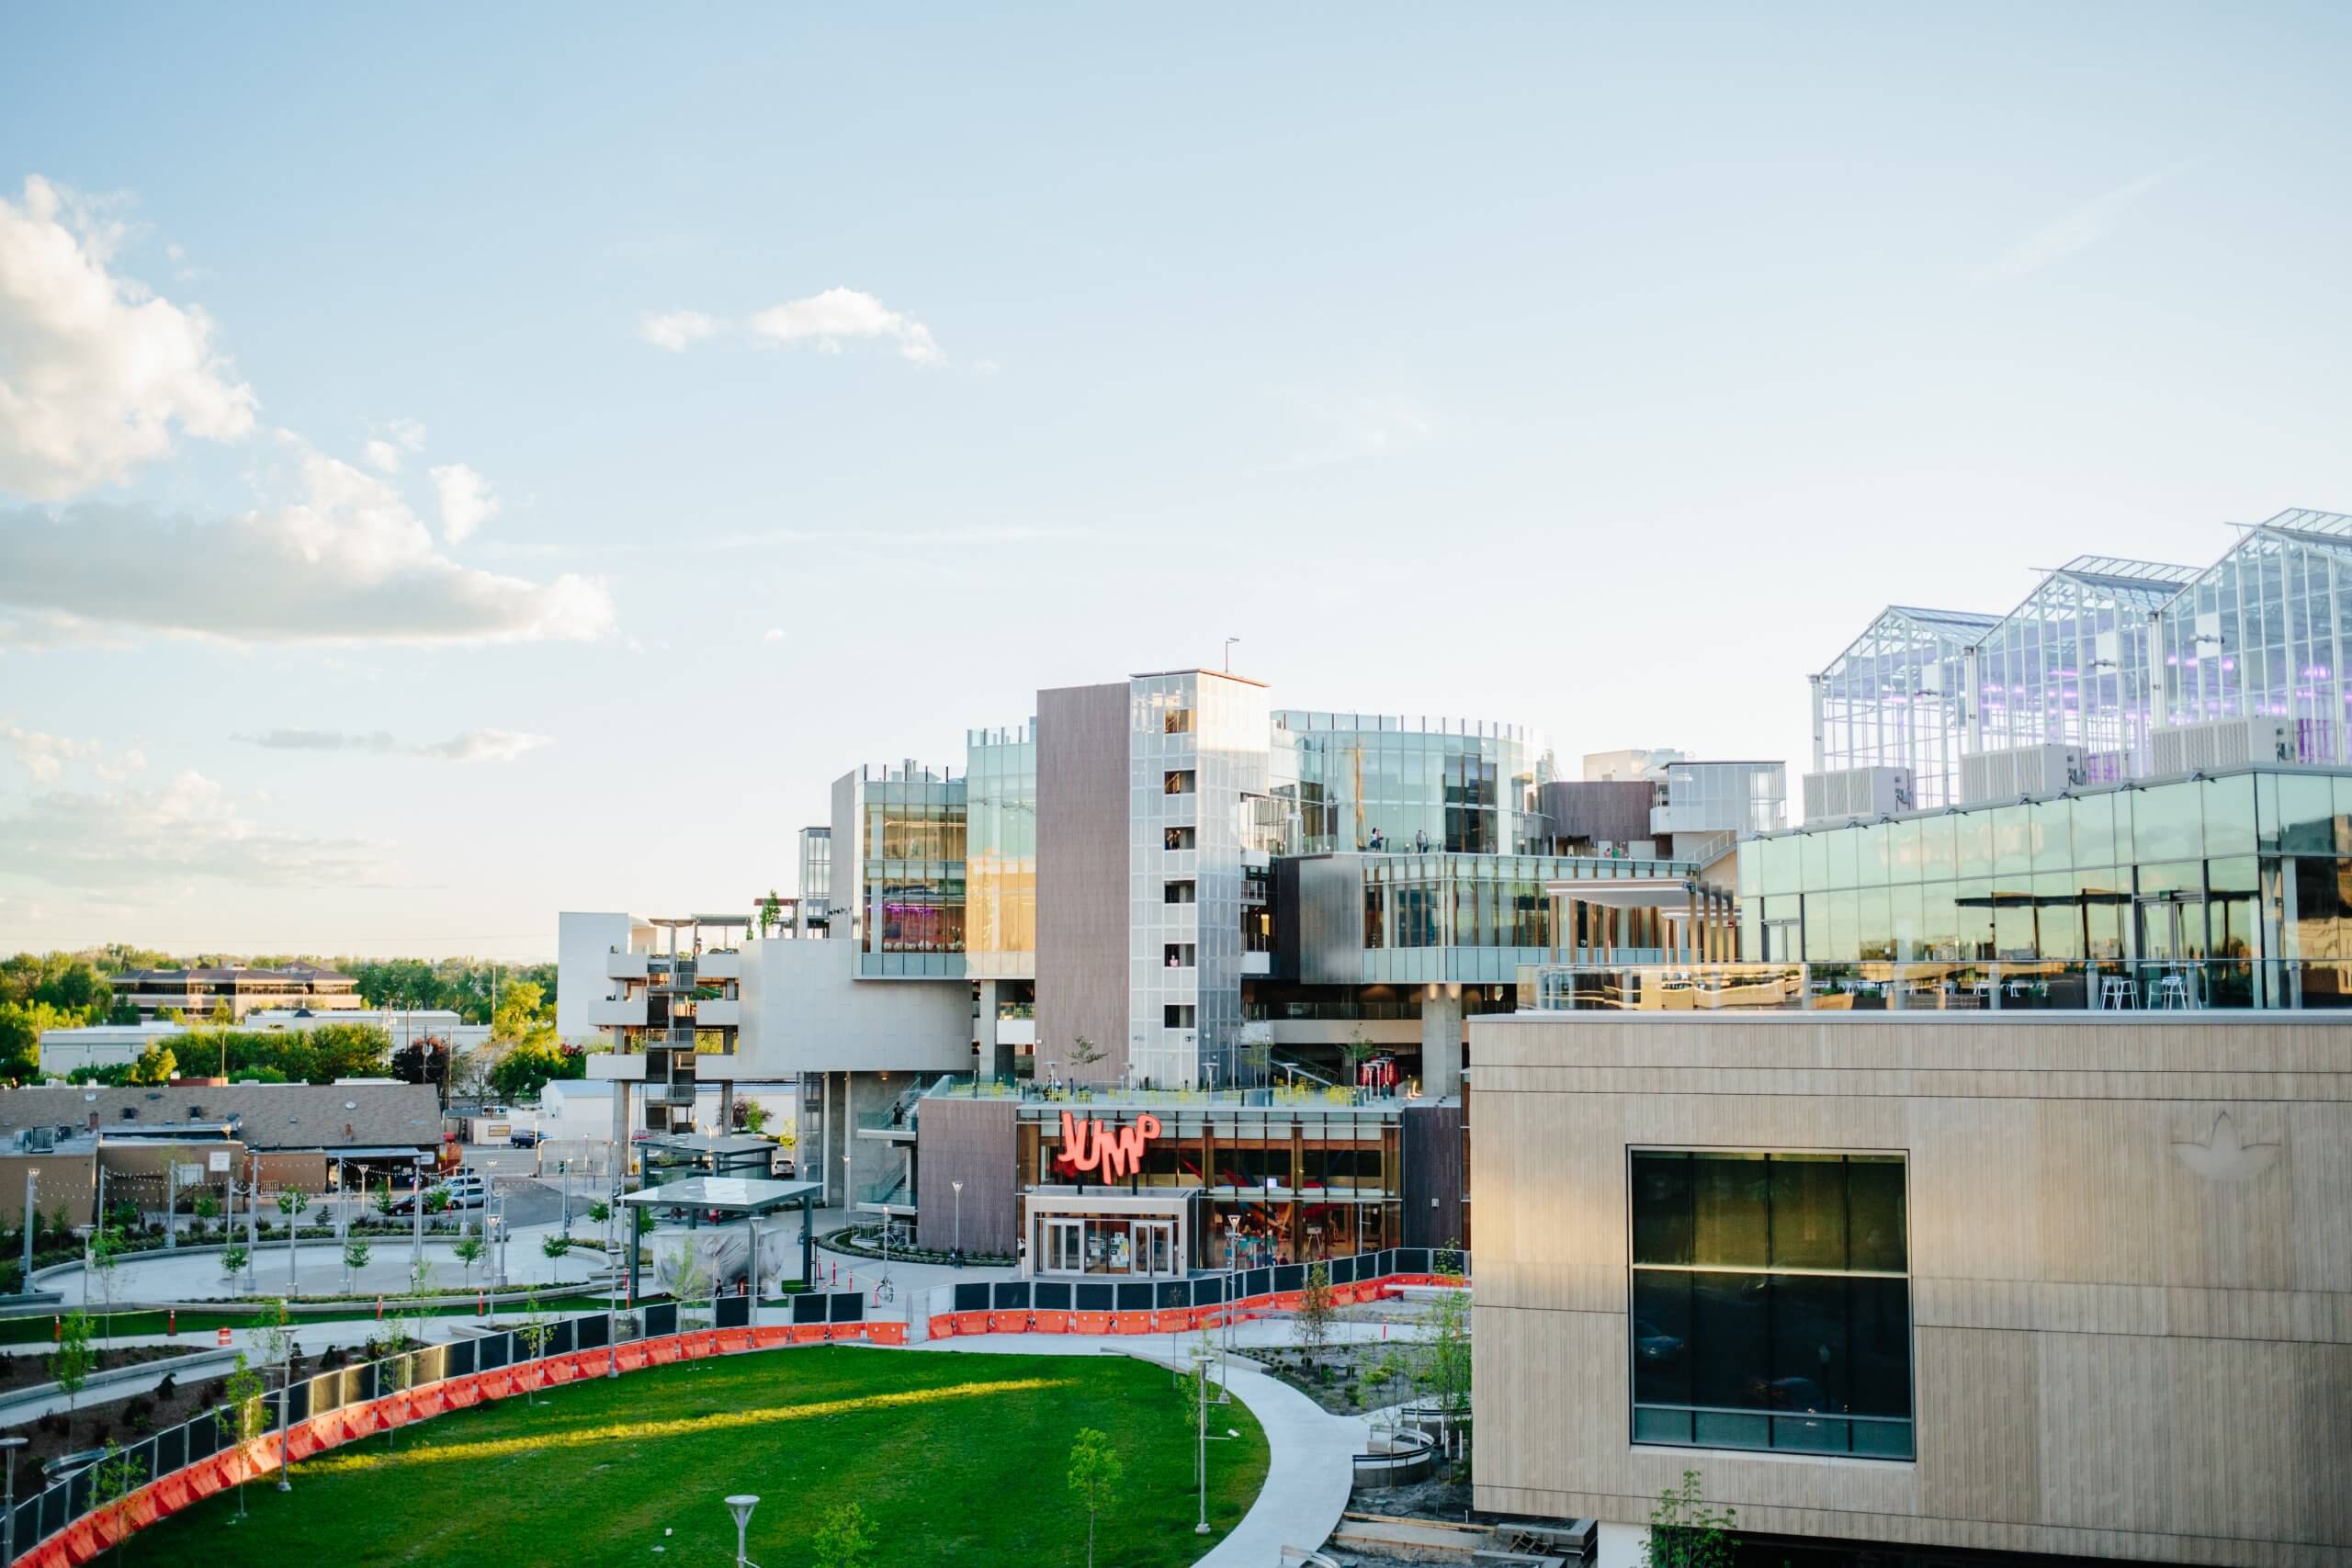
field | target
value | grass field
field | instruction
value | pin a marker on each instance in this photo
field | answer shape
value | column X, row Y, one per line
column 960, row 1459
column 42, row 1330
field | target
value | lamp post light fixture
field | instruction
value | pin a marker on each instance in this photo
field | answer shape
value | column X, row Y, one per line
column 959, row 1223
column 740, row 1506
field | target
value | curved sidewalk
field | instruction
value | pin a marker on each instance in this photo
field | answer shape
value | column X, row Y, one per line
column 1310, row 1452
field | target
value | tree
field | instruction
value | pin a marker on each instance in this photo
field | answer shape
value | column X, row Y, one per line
column 522, row 1016
column 155, row 1065
column 469, row 1249
column 232, row 1262
column 354, row 1255
column 290, row 1203
column 1358, row 1051
column 555, row 1243
column 770, row 913
column 105, row 1250
column 1685, row 1532
column 1095, row 1474
column 20, row 1044
column 71, row 1364
column 242, row 1416
column 535, row 1330
column 112, row 1484
column 1318, row 1312
column 847, row 1539
column 601, row 1213
column 752, row 1115
column 1083, row 1053
column 1444, row 1372
column 525, row 1069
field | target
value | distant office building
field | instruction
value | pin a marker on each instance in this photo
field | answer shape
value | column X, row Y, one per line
column 240, row 988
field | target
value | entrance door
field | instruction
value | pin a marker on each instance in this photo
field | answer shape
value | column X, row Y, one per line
column 1065, row 1246
column 2173, row 945
column 1155, row 1248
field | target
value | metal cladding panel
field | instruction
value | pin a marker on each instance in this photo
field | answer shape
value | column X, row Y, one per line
column 1318, row 918
column 1082, row 873
column 976, row 1142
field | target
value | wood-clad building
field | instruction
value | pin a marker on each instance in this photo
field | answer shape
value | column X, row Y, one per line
column 2046, row 1284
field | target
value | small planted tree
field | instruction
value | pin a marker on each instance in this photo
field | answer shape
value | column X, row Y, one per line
column 846, row 1539
column 105, row 1250
column 118, row 1477
column 354, row 1255
column 292, row 1203
column 232, row 1262
column 1685, row 1532
column 601, row 1213
column 71, row 1364
column 242, row 1416
column 555, row 1243
column 1444, row 1372
column 689, row 1281
column 1318, row 1313
column 535, row 1329
column 1083, row 1053
column 1094, row 1475
column 469, row 1249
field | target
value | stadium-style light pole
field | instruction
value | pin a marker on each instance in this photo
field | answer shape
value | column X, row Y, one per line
column 740, row 1506
column 959, row 1223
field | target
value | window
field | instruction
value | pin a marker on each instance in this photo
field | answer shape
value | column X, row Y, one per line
column 1176, row 721
column 1771, row 1302
column 1177, row 837
column 1177, row 781
column 1177, row 1017
column 1179, row 954
column 1178, row 893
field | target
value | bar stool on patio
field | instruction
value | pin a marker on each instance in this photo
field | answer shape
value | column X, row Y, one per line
column 2117, row 991
column 2172, row 991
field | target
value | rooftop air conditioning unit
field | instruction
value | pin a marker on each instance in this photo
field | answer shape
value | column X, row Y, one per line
column 2221, row 743
column 1851, row 792
column 40, row 1140
column 2021, row 770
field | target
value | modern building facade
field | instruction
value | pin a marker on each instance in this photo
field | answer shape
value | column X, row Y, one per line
column 1159, row 884
column 1983, row 1198
column 240, row 988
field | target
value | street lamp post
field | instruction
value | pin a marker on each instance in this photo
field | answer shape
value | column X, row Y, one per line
column 8, row 1509
column 342, row 1226
column 564, row 1169
column 1201, row 1397
column 740, row 1506
column 32, row 1214
column 959, row 1223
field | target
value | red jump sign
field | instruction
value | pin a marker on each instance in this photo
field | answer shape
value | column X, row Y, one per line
column 1090, row 1146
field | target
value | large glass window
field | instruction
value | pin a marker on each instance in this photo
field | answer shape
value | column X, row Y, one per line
column 1771, row 1302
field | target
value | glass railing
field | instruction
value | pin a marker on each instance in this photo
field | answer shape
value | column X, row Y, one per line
column 893, row 1192
column 899, row 1118
column 1990, row 985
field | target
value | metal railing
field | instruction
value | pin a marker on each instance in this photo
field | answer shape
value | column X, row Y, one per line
column 2234, row 984
column 1114, row 1294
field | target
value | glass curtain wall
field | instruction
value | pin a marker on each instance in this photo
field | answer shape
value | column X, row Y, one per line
column 1378, row 782
column 1896, row 698
column 1001, row 873
column 913, row 850
column 1473, row 917
column 1771, row 1302
column 2073, row 664
column 2260, row 633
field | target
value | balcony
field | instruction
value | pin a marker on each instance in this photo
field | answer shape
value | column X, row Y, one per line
column 615, row 1067
column 669, row 1091
column 892, row 1196
column 1016, row 1031
column 2134, row 986
column 724, row 1013
column 719, row 967
column 624, row 966
column 627, row 1013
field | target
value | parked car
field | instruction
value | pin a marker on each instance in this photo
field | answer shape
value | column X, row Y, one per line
column 524, row 1138
column 465, row 1191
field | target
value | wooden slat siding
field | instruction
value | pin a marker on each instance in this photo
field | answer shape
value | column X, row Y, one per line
column 2114, row 1355
column 1082, row 878
column 974, row 1141
column 1429, row 1144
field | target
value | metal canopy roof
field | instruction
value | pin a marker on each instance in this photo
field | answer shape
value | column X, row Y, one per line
column 714, row 1144
column 729, row 1194
column 1627, row 893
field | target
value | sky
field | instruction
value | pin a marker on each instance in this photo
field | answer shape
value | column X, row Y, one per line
column 459, row 464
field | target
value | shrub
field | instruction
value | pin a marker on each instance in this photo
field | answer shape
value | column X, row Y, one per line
column 167, row 1390
column 216, row 1390
column 53, row 1423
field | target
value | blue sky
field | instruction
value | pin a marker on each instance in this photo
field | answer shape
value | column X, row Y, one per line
column 1599, row 369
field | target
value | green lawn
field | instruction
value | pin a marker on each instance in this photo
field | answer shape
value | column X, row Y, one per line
column 961, row 1459
column 43, row 1328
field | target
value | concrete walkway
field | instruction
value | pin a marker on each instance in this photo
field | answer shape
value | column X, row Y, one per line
column 1311, row 1453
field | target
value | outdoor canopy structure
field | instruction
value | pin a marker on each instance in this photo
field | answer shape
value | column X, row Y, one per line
column 744, row 1197
column 2103, row 650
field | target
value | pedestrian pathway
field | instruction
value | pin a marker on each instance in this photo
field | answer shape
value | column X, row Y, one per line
column 1311, row 1453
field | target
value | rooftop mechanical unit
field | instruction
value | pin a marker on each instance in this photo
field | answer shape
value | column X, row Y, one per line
column 1851, row 792
column 2019, row 770
column 2220, row 743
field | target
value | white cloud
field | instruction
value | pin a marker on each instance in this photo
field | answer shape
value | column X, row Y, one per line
column 382, row 457
column 2077, row 230
column 95, row 371
column 473, row 746
column 121, row 840
column 675, row 329
column 386, row 453
column 467, row 501
column 342, row 561
column 826, row 319
column 45, row 756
